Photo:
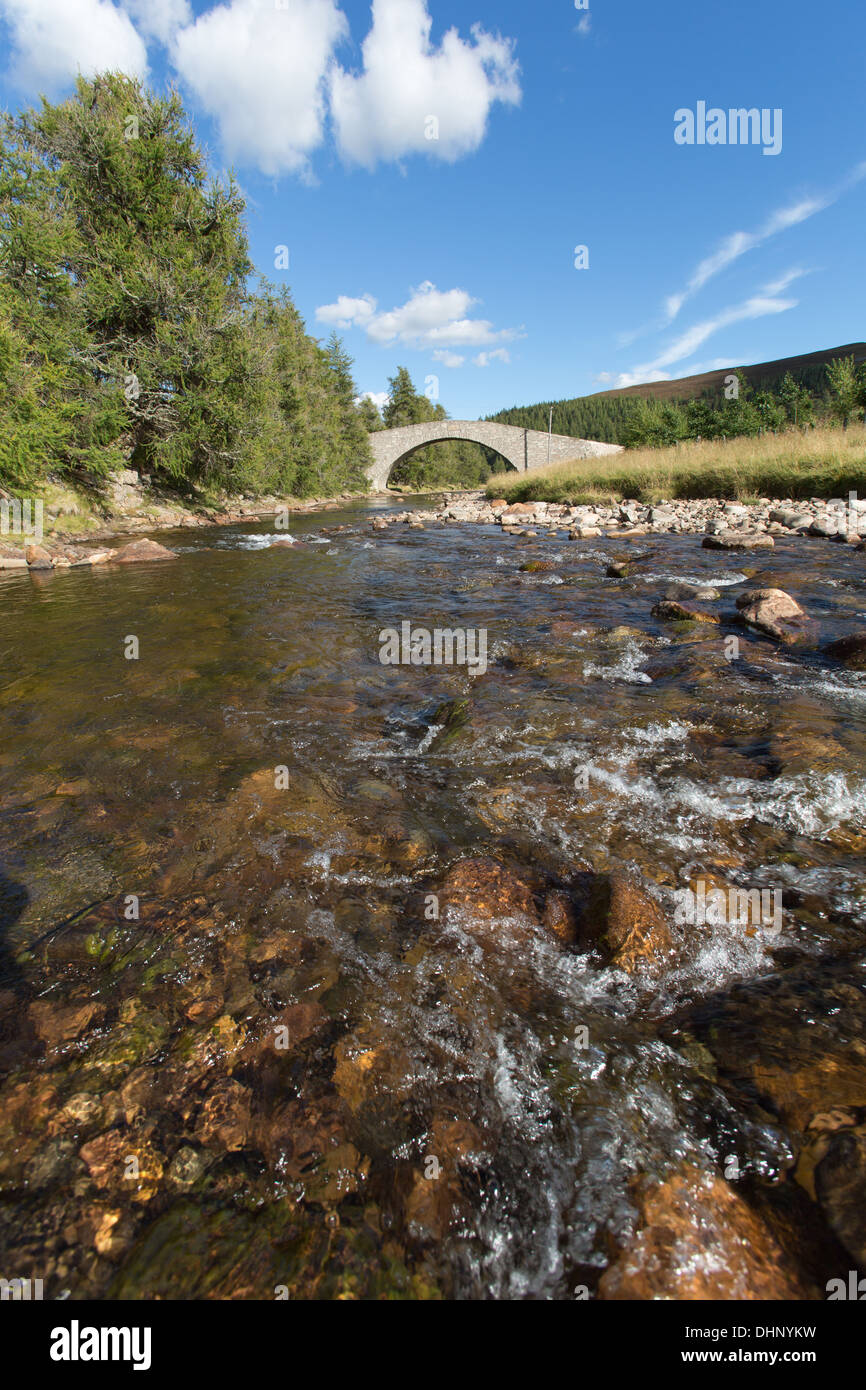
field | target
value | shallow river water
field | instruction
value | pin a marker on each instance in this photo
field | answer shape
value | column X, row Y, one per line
column 242, row 1051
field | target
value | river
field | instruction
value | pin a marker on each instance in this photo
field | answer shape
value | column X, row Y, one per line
column 243, row 1054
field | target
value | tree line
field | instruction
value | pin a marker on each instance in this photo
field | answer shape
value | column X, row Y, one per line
column 129, row 334
column 835, row 391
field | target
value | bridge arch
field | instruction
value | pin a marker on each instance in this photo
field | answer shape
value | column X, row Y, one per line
column 525, row 450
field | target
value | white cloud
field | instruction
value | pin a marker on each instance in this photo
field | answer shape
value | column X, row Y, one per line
column 346, row 312
column 434, row 318
column 779, row 286
column 430, row 318
column 260, row 73
column 52, row 40
column 584, row 25
column 448, row 359
column 413, row 97
column 497, row 355
column 159, row 19
column 379, row 398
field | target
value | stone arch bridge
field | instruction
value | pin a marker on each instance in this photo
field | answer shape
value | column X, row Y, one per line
column 523, row 449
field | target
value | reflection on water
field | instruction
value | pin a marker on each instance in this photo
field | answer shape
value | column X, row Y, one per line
column 239, row 1049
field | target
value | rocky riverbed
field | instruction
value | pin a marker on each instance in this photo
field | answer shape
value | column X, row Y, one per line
column 325, row 978
column 726, row 525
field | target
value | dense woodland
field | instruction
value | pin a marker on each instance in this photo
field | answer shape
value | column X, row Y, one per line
column 816, row 395
column 129, row 335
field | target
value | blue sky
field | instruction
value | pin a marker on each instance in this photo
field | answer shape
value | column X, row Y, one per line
column 455, row 255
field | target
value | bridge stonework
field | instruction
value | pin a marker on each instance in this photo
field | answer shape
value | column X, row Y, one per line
column 525, row 450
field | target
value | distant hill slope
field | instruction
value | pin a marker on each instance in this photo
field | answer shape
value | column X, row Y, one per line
column 603, row 414
column 808, row 368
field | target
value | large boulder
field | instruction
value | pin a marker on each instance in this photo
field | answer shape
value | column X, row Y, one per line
column 137, row 552
column 774, row 613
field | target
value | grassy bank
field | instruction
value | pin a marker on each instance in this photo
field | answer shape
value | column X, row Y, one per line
column 826, row 462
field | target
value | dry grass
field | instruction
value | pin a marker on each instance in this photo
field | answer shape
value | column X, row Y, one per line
column 827, row 462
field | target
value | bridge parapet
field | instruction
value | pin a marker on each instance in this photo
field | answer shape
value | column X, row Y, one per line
column 525, row 450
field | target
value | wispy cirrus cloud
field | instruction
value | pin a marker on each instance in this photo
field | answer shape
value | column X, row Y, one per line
column 739, row 243
column 766, row 301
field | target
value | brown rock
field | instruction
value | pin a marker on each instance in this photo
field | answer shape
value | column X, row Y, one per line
column 58, row 1024
column 224, row 1119
column 699, row 1240
column 670, row 610
column 629, row 923
column 559, row 917
column 38, row 558
column 118, row 1162
column 851, row 651
column 840, row 1187
column 136, row 552
column 790, row 1043
column 487, row 889
column 436, row 1201
column 773, row 612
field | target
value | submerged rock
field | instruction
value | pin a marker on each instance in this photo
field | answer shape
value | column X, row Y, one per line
column 487, row 891
column 700, row 1240
column 628, row 922
column 840, row 1188
column 851, row 651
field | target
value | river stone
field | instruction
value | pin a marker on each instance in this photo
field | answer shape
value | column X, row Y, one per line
column 38, row 558
column 700, row 1240
column 773, row 612
column 135, row 552
column 670, row 610
column 794, row 521
column 559, row 918
column 824, row 526
column 736, row 540
column 485, row 890
column 851, row 651
column 627, row 922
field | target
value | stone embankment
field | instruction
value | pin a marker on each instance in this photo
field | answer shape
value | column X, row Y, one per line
column 724, row 525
